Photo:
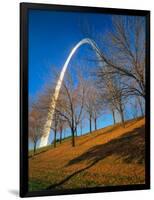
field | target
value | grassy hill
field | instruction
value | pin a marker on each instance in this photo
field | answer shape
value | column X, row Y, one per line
column 110, row 156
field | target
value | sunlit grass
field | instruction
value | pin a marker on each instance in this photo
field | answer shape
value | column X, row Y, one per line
column 110, row 156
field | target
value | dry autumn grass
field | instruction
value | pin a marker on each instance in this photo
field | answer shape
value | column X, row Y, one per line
column 109, row 156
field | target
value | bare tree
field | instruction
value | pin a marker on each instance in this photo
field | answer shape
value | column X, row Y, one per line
column 71, row 102
column 113, row 93
column 141, row 105
column 122, row 49
column 58, row 125
column 97, row 106
column 126, row 53
column 82, row 122
column 61, row 126
column 136, row 104
column 54, row 126
column 93, row 103
column 36, row 121
column 134, row 108
column 89, row 106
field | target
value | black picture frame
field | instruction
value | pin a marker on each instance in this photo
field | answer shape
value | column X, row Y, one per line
column 24, row 8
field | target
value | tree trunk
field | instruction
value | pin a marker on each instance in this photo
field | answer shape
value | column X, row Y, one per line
column 122, row 116
column 73, row 137
column 113, row 115
column 34, row 147
column 141, row 108
column 76, row 131
column 64, row 134
column 55, row 133
column 81, row 129
column 60, row 136
column 90, row 124
column 95, row 120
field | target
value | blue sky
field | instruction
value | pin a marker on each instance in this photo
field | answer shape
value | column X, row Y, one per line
column 52, row 35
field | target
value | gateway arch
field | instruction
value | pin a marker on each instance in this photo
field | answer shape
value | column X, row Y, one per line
column 48, row 124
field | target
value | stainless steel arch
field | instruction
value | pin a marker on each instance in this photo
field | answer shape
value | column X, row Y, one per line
column 44, row 139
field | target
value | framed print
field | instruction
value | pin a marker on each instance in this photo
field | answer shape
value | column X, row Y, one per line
column 84, row 99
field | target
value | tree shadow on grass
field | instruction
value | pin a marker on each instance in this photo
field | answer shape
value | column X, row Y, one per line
column 99, row 134
column 129, row 147
column 132, row 121
column 70, row 176
column 112, row 128
column 38, row 153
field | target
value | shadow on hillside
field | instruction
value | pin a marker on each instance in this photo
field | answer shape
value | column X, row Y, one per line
column 131, row 122
column 38, row 153
column 129, row 147
column 113, row 128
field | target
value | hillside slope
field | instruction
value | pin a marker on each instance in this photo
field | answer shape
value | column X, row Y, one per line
column 109, row 156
